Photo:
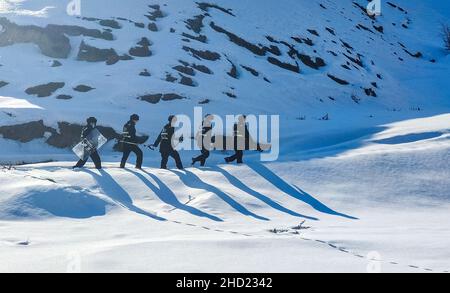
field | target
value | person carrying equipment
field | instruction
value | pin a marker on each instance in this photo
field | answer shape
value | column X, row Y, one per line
column 91, row 125
column 166, row 146
column 131, row 142
column 204, row 140
column 242, row 138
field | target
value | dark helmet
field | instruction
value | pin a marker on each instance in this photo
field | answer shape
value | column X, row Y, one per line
column 171, row 118
column 134, row 117
column 91, row 120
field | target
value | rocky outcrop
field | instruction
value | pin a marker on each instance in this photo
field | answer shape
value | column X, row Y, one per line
column 51, row 44
column 338, row 80
column 206, row 55
column 64, row 97
column 294, row 68
column 255, row 49
column 66, row 136
column 206, row 6
column 142, row 49
column 156, row 98
column 45, row 90
column 83, row 88
column 93, row 54
column 52, row 40
column 25, row 132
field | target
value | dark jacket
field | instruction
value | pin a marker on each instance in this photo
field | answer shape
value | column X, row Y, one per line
column 164, row 140
column 241, row 136
column 86, row 131
column 206, row 136
column 129, row 132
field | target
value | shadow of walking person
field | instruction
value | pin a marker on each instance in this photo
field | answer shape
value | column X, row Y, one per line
column 240, row 185
column 294, row 191
column 191, row 180
column 115, row 192
column 166, row 195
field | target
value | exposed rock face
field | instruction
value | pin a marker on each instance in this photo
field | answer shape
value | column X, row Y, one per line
column 338, row 80
column 206, row 55
column 145, row 73
column 295, row 68
column 83, row 88
column 93, row 54
column 155, row 98
column 51, row 44
column 255, row 49
column 142, row 49
column 152, row 27
column 308, row 61
column 195, row 24
column 233, row 71
column 251, row 70
column 185, row 69
column 25, row 132
column 110, row 23
column 45, row 90
column 206, row 6
column 56, row 63
column 64, row 97
column 187, row 81
column 67, row 135
column 51, row 40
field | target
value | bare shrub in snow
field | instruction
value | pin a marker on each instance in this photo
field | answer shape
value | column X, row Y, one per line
column 278, row 231
column 5, row 168
column 446, row 36
column 301, row 226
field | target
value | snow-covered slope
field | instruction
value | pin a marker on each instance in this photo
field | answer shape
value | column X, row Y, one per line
column 371, row 182
column 380, row 204
column 231, row 57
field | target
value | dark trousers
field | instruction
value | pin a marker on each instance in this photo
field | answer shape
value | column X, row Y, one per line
column 238, row 156
column 202, row 158
column 129, row 148
column 165, row 158
column 95, row 158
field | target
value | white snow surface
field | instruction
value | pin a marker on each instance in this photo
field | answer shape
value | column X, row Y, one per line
column 372, row 183
column 388, row 198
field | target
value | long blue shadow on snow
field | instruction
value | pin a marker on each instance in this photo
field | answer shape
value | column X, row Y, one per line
column 294, row 191
column 114, row 191
column 408, row 138
column 267, row 200
column 166, row 195
column 191, row 180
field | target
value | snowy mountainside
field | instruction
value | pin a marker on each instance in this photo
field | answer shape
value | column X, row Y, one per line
column 386, row 199
column 298, row 59
column 365, row 190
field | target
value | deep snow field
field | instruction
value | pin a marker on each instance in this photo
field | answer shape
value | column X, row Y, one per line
column 379, row 197
column 367, row 190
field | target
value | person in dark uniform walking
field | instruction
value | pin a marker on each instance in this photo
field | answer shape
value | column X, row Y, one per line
column 204, row 140
column 131, row 142
column 166, row 146
column 242, row 138
column 91, row 125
